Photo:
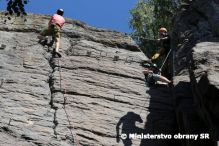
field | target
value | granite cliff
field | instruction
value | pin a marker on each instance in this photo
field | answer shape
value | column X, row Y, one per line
column 78, row 99
column 97, row 89
column 195, row 38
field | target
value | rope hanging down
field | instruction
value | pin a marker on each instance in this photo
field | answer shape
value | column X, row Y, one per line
column 165, row 60
column 64, row 103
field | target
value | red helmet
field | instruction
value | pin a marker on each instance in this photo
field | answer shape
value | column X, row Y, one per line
column 163, row 29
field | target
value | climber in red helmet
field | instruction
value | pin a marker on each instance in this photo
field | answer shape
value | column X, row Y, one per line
column 55, row 25
column 164, row 43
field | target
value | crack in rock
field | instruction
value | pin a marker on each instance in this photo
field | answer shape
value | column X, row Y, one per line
column 51, row 86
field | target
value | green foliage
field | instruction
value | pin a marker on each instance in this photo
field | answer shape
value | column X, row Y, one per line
column 142, row 19
column 16, row 7
column 147, row 17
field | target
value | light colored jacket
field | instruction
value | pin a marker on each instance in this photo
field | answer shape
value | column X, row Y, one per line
column 57, row 19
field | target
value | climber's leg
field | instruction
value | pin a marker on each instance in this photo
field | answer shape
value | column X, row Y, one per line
column 164, row 79
column 44, row 33
column 57, row 44
column 56, row 36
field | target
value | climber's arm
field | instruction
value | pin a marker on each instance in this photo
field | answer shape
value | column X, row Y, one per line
column 158, row 77
column 162, row 39
column 164, row 79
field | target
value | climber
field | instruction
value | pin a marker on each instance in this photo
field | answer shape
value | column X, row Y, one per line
column 152, row 77
column 164, row 42
column 55, row 25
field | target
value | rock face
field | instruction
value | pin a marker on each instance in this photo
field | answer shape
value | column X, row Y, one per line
column 96, row 91
column 195, row 39
column 79, row 99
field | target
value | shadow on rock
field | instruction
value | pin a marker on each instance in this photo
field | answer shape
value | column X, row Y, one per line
column 160, row 124
column 128, row 127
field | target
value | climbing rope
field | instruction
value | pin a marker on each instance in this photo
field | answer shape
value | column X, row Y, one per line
column 173, row 62
column 165, row 60
column 74, row 136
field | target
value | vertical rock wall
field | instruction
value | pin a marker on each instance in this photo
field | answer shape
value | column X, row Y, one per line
column 96, row 91
column 98, row 81
column 195, row 41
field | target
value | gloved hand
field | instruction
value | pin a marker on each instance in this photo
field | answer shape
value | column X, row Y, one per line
column 155, row 56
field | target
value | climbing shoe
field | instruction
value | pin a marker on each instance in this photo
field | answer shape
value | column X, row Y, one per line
column 42, row 40
column 57, row 55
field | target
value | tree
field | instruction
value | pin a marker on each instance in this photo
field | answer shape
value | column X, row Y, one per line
column 16, row 7
column 147, row 17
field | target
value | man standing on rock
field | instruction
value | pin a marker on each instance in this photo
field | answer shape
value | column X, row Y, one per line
column 55, row 25
column 161, row 56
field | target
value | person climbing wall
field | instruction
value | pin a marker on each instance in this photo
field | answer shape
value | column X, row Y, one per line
column 55, row 25
column 152, row 77
column 160, row 57
column 164, row 44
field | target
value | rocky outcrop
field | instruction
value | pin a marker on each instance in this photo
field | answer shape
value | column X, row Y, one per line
column 195, row 39
column 96, row 91
column 76, row 100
